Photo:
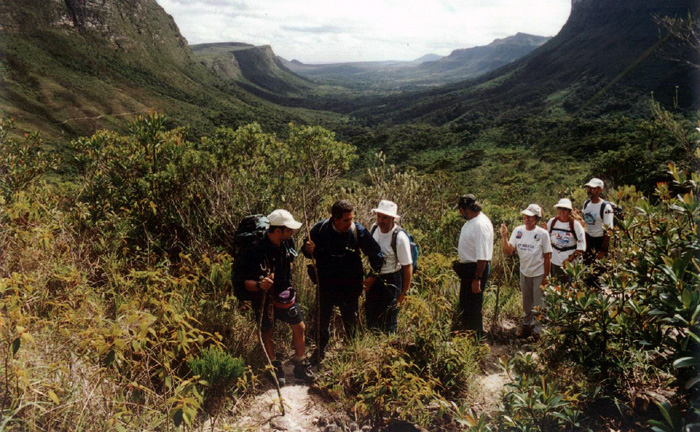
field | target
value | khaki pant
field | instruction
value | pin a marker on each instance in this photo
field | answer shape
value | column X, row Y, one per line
column 532, row 297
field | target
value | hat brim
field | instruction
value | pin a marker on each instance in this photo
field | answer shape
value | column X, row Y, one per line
column 593, row 185
column 293, row 225
column 528, row 213
column 395, row 216
column 558, row 206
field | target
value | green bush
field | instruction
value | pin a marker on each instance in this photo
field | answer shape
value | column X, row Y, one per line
column 217, row 367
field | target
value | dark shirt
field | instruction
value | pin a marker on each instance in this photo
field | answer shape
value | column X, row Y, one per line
column 264, row 258
column 338, row 254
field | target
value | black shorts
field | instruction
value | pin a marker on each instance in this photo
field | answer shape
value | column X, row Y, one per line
column 291, row 315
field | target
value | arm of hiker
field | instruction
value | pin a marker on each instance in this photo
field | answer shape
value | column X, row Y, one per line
column 407, row 274
column 508, row 249
column 580, row 244
column 260, row 285
column 308, row 248
column 478, row 274
column 547, row 268
column 370, row 248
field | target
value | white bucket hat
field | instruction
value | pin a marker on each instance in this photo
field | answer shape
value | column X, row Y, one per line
column 388, row 208
column 283, row 218
column 595, row 183
column 532, row 210
column 564, row 203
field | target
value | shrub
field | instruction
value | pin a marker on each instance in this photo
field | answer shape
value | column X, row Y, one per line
column 217, row 368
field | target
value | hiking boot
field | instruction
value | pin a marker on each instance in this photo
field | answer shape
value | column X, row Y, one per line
column 302, row 371
column 277, row 369
column 525, row 332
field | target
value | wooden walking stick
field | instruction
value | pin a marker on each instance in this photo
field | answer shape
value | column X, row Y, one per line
column 498, row 292
column 264, row 301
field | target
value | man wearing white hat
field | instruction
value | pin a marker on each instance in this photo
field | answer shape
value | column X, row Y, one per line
column 599, row 216
column 388, row 291
column 267, row 272
column 533, row 246
column 568, row 238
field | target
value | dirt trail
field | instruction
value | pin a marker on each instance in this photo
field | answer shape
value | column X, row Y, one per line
column 303, row 411
column 308, row 411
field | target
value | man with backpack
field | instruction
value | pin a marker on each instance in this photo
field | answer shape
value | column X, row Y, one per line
column 388, row 291
column 475, row 251
column 599, row 216
column 265, row 271
column 336, row 243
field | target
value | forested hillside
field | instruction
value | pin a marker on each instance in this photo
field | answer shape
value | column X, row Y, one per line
column 70, row 67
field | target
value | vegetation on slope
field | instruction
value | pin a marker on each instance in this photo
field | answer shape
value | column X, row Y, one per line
column 115, row 286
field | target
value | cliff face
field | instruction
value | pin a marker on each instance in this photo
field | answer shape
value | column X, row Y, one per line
column 132, row 26
column 257, row 68
column 73, row 66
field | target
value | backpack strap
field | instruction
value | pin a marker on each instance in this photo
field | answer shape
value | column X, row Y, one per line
column 571, row 227
column 602, row 209
column 550, row 226
column 394, row 234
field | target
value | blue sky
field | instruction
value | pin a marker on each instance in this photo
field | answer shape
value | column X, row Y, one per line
column 330, row 31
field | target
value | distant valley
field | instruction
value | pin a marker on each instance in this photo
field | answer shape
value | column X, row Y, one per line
column 429, row 70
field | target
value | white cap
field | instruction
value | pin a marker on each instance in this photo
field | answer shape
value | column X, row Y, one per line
column 283, row 218
column 595, row 183
column 532, row 210
column 564, row 203
column 388, row 208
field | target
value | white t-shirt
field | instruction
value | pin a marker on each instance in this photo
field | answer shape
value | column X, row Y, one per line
column 403, row 249
column 476, row 240
column 594, row 225
column 563, row 238
column 531, row 246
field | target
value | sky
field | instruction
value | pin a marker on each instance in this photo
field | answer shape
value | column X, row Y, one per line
column 332, row 31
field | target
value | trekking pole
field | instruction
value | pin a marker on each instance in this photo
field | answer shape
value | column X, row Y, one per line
column 318, row 286
column 498, row 290
column 262, row 344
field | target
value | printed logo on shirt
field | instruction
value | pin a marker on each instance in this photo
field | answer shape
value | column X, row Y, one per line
column 519, row 235
column 589, row 218
column 538, row 237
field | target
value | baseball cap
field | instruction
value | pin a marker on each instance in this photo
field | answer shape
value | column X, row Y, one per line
column 532, row 210
column 595, row 183
column 466, row 201
column 283, row 218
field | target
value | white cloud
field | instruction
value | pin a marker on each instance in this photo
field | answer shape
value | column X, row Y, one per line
column 315, row 31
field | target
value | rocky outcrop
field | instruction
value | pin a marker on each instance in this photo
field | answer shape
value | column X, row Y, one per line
column 140, row 26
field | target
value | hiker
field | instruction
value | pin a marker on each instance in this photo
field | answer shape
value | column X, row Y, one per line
column 267, row 274
column 568, row 239
column 534, row 248
column 599, row 216
column 475, row 249
column 336, row 243
column 387, row 291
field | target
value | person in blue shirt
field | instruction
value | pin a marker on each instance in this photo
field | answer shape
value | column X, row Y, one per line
column 337, row 244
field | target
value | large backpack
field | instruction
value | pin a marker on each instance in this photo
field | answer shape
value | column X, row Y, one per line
column 415, row 252
column 618, row 211
column 250, row 231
